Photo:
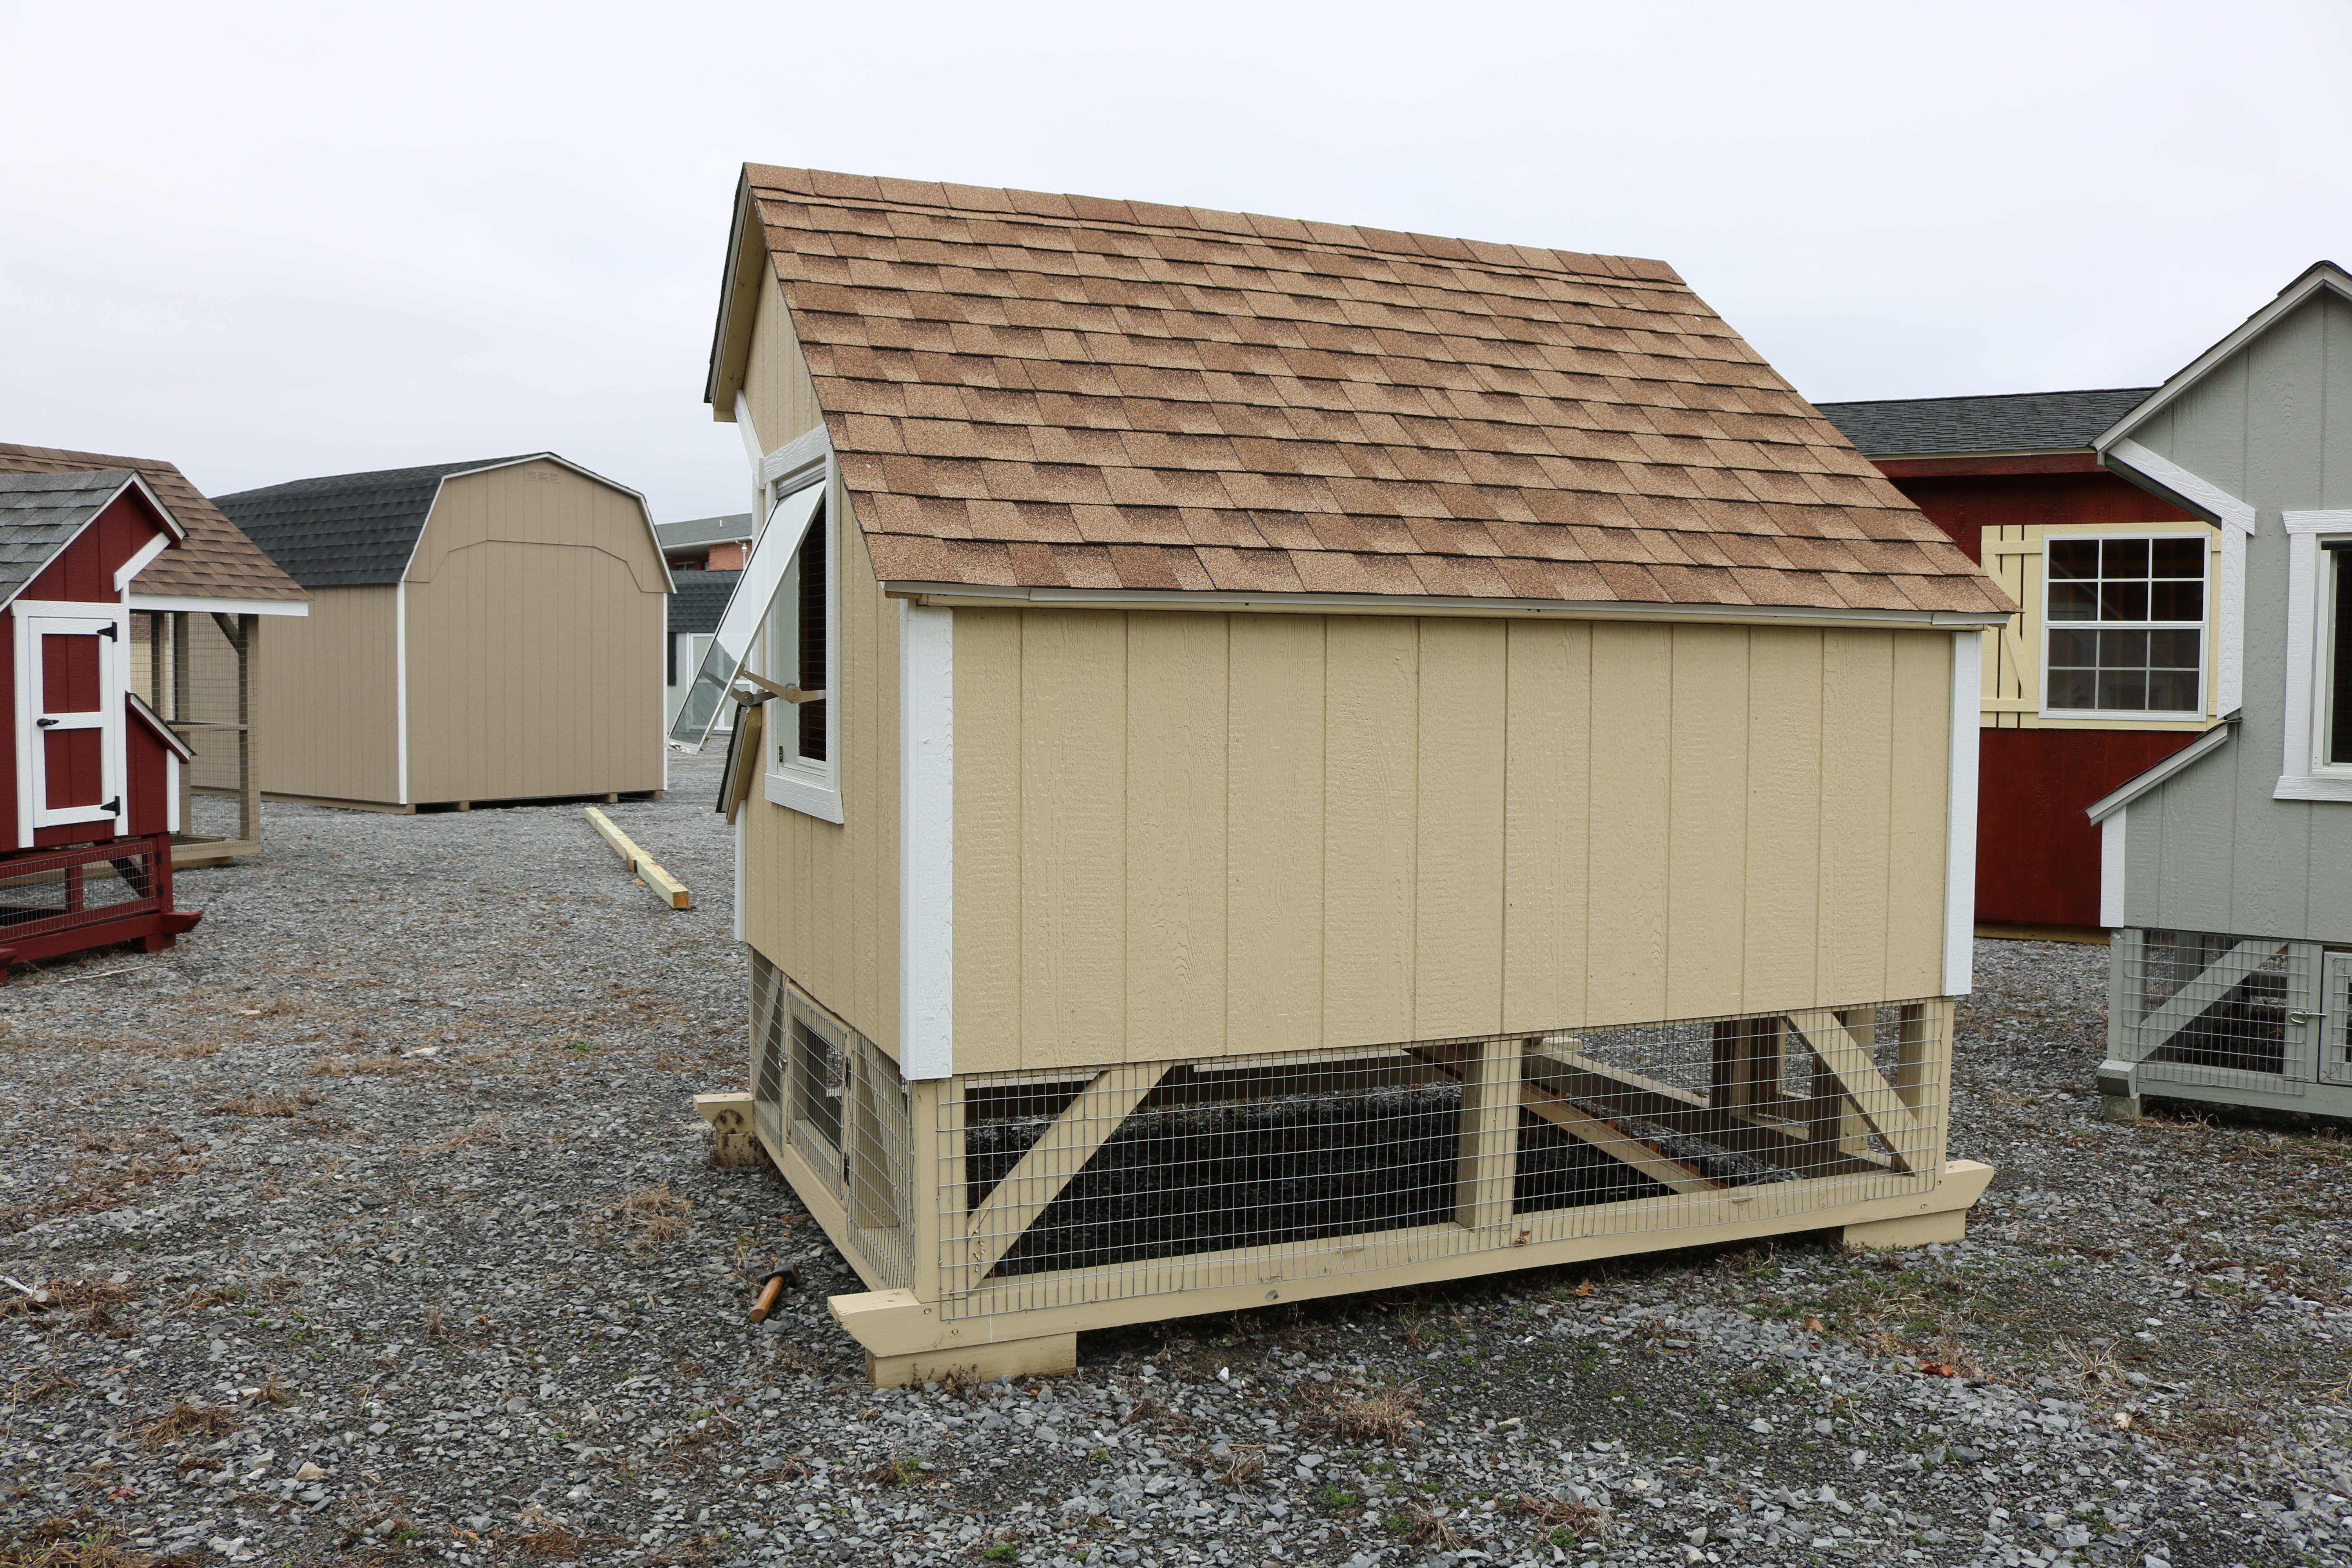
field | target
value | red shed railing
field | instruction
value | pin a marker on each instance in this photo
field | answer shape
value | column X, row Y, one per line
column 63, row 901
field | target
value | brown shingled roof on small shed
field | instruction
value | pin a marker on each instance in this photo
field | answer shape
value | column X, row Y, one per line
column 216, row 561
column 1038, row 390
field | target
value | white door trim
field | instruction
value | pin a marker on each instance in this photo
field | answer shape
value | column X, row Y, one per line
column 32, row 617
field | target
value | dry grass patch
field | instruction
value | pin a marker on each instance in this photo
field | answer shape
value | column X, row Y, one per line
column 1378, row 1418
column 283, row 1105
column 79, row 1541
column 184, row 1418
column 550, row 1540
column 483, row 1131
column 1560, row 1521
column 368, row 1066
column 656, row 1213
column 39, row 1386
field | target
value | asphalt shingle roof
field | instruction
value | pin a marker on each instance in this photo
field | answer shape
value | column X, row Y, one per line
column 2006, row 422
column 1036, row 390
column 215, row 562
column 40, row 514
column 700, row 600
column 699, row 531
column 346, row 530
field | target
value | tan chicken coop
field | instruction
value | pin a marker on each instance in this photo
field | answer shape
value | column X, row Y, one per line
column 1280, row 758
column 487, row 631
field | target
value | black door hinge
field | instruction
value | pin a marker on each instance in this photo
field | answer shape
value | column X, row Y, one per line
column 113, row 807
column 109, row 632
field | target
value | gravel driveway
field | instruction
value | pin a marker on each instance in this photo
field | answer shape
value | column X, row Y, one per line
column 374, row 1225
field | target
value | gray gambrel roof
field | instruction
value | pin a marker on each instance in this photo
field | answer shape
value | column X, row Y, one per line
column 2007, row 422
column 348, row 531
column 41, row 513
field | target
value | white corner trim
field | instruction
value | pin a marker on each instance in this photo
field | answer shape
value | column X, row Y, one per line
column 740, row 819
column 2226, row 507
column 746, row 428
column 400, row 670
column 1960, row 817
column 137, row 562
column 2111, row 871
column 2139, row 783
column 171, row 790
column 2230, row 626
column 803, row 451
column 926, row 841
column 2300, row 775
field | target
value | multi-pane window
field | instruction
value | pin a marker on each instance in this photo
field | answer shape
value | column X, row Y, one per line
column 2335, row 613
column 2127, row 621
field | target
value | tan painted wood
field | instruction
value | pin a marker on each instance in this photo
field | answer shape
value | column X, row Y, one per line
column 1178, row 678
column 1487, row 1163
column 1844, row 1045
column 1457, row 917
column 1274, row 878
column 1781, row 801
column 1707, row 846
column 1073, row 839
column 1604, row 1136
column 750, row 743
column 1370, row 826
column 776, row 383
column 1033, row 1184
column 1630, row 745
column 1857, row 780
column 328, row 696
column 1918, row 814
column 1546, row 780
column 938, row 1197
column 988, row 862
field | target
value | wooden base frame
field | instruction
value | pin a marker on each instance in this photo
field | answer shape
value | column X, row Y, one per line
column 1818, row 1120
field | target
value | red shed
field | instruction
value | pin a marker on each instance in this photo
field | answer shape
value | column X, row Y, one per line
column 89, row 787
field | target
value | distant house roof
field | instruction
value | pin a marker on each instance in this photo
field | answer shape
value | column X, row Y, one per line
column 2005, row 422
column 215, row 562
column 348, row 531
column 40, row 514
column 1035, row 391
column 700, row 600
column 695, row 533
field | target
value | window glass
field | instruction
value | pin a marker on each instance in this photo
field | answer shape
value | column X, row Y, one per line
column 746, row 606
column 2126, row 630
column 2337, row 606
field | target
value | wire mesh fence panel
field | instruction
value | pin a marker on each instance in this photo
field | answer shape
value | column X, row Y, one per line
column 72, row 887
column 196, row 672
column 1136, row 1178
column 2335, row 1018
column 2217, row 1010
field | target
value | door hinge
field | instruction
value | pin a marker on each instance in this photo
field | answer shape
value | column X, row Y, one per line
column 109, row 632
column 113, row 807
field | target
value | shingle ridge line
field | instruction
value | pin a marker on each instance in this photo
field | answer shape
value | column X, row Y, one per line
column 1336, row 248
column 1977, row 396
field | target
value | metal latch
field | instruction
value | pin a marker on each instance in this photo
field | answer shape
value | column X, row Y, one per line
column 43, row 723
column 2301, row 1018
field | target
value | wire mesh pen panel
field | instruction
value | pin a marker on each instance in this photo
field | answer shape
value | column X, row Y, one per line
column 195, row 670
column 824, row 1093
column 2202, row 1008
column 1133, row 1179
column 58, row 891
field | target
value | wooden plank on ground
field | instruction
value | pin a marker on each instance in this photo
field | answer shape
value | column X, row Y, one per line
column 1013, row 1203
column 664, row 886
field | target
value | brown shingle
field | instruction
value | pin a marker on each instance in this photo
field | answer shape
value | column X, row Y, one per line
column 216, row 561
column 1035, row 389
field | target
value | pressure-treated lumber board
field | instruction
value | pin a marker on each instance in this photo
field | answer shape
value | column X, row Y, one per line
column 1604, row 1136
column 664, row 886
column 1014, row 1202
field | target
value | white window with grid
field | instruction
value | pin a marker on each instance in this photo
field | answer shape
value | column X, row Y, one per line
column 2123, row 625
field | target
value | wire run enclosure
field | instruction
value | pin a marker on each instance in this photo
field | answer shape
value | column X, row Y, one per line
column 199, row 672
column 994, row 1215
column 2230, row 1020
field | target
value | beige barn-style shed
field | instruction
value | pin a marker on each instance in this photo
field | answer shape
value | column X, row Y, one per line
column 1292, row 758
column 478, row 632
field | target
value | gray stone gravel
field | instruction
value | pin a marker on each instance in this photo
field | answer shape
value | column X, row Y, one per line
column 387, row 1181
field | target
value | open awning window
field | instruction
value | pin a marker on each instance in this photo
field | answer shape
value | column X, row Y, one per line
column 739, row 628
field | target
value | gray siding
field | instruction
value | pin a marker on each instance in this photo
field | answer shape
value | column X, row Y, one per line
column 2210, row 850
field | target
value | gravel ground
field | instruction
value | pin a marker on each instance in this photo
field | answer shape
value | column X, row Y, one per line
column 375, row 1226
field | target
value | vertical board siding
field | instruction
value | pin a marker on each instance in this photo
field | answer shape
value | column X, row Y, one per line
column 1196, row 835
column 535, row 616
column 821, row 899
column 329, row 699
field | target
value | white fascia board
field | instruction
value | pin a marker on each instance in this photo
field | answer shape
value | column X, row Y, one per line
column 2299, row 774
column 2111, row 869
column 124, row 574
column 990, row 595
column 122, row 577
column 2212, row 740
column 2201, row 494
column 1960, row 817
column 2321, row 275
column 926, row 841
column 220, row 606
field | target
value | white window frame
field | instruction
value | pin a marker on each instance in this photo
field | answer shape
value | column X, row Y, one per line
column 789, row 781
column 2305, row 774
column 2205, row 650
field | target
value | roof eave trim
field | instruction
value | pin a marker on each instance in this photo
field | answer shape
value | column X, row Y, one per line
column 160, row 730
column 731, row 336
column 2212, row 740
column 174, row 533
column 994, row 594
column 203, row 603
column 2172, row 482
column 2317, row 275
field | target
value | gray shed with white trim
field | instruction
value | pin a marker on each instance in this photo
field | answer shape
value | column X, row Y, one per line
column 2226, row 869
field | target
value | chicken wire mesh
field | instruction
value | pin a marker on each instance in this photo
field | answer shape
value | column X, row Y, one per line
column 196, row 672
column 2201, row 1008
column 70, row 887
column 1137, row 1178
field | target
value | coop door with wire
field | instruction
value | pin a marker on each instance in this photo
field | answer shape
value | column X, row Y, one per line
column 72, row 668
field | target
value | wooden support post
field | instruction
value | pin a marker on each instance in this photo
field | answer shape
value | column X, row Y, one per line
column 248, row 753
column 1923, row 1076
column 1846, row 1069
column 873, row 1189
column 935, row 1111
column 183, row 715
column 1013, row 1203
column 1488, row 1159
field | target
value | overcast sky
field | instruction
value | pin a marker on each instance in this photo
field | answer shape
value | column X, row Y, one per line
column 273, row 241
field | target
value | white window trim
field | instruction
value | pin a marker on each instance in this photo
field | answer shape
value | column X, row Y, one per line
column 2303, row 776
column 2207, row 637
column 812, row 789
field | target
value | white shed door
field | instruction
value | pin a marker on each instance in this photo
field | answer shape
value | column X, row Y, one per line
column 70, row 665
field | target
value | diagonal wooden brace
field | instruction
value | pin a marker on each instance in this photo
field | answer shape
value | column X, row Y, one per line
column 1013, row 1203
column 1606, row 1137
column 1845, row 1054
